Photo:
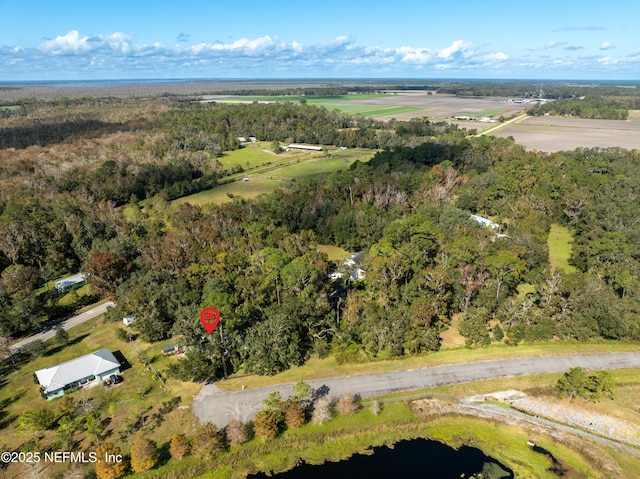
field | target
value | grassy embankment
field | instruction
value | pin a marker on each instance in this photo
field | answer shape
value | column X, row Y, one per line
column 345, row 436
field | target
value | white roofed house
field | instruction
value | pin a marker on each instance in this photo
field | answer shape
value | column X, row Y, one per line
column 92, row 367
column 485, row 222
column 72, row 282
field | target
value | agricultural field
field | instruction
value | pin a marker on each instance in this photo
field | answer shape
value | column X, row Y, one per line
column 550, row 133
column 399, row 105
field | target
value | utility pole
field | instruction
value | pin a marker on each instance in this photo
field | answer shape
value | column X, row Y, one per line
column 224, row 363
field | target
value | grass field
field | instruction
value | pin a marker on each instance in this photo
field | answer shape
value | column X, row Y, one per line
column 344, row 103
column 312, row 168
column 250, row 156
column 225, row 193
column 559, row 243
column 371, row 110
column 313, row 100
column 335, row 253
column 266, row 171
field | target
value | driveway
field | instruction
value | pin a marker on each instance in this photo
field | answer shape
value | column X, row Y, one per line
column 219, row 407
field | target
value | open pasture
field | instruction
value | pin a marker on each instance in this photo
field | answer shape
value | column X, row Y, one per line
column 248, row 190
column 550, row 133
column 266, row 171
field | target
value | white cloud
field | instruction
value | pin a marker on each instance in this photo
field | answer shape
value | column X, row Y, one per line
column 414, row 55
column 72, row 42
column 458, row 46
column 498, row 56
column 554, row 43
column 606, row 46
column 118, row 55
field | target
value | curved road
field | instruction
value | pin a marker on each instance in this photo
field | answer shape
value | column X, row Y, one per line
column 219, row 407
column 95, row 310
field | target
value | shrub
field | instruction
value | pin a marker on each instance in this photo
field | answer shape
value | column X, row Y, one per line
column 375, row 407
column 106, row 469
column 208, row 439
column 294, row 415
column 66, row 405
column 348, row 404
column 237, row 432
column 179, row 447
column 144, row 455
column 322, row 411
column 266, row 424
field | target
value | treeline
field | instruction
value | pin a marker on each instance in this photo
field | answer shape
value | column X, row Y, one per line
column 334, row 90
column 196, row 128
column 591, row 106
column 529, row 89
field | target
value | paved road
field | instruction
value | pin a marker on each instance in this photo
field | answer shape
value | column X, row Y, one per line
column 218, row 406
column 96, row 310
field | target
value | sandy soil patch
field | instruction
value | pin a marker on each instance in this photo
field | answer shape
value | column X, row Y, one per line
column 451, row 338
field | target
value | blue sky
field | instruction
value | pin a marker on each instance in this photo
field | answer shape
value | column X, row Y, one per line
column 115, row 39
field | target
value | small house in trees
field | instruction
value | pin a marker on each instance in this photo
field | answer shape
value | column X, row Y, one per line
column 92, row 367
column 72, row 282
column 129, row 320
column 485, row 222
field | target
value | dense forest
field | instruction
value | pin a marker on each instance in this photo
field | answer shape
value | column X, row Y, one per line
column 65, row 192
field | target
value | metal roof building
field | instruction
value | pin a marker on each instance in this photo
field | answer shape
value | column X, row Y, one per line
column 85, row 369
column 72, row 282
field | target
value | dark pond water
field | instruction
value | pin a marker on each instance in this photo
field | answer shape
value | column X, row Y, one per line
column 415, row 459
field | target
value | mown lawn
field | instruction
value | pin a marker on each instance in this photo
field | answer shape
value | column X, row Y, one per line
column 253, row 188
column 249, row 156
column 559, row 243
column 335, row 253
column 311, row 168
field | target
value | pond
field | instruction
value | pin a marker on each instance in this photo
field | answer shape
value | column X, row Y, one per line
column 417, row 458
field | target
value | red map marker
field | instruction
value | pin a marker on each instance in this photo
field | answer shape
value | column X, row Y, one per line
column 209, row 317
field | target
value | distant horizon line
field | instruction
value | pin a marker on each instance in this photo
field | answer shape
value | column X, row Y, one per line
column 104, row 81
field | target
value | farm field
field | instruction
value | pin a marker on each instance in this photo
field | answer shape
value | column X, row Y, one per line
column 562, row 133
column 400, row 105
